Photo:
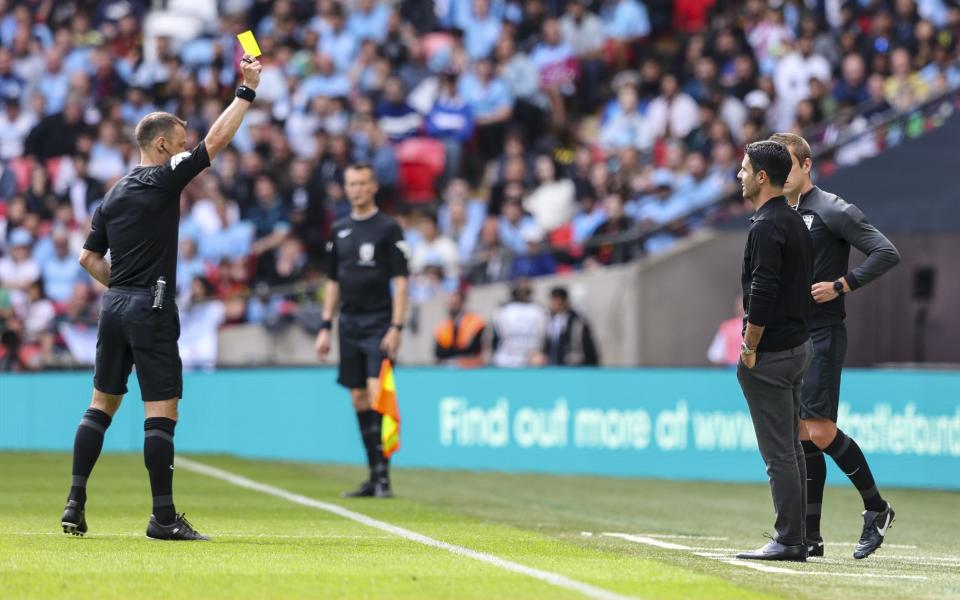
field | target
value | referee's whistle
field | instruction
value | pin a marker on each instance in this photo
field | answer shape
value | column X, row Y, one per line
column 158, row 293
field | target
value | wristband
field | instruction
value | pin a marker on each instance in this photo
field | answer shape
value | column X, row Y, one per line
column 246, row 93
column 397, row 326
column 326, row 324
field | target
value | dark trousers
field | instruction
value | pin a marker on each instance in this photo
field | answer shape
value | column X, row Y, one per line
column 772, row 390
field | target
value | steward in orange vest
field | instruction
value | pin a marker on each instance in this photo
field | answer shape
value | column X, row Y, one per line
column 459, row 338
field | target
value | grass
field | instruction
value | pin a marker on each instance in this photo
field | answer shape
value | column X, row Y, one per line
column 266, row 547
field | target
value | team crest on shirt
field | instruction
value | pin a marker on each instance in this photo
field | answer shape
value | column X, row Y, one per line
column 367, row 251
column 808, row 219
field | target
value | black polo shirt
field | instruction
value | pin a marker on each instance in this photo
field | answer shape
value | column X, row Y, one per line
column 777, row 275
column 139, row 218
column 364, row 255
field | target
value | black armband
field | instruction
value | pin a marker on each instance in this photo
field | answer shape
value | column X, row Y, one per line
column 245, row 93
column 397, row 326
column 326, row 324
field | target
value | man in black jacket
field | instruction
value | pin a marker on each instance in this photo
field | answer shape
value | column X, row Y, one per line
column 835, row 226
column 569, row 340
column 776, row 351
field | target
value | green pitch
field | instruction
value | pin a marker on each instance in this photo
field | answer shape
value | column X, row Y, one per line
column 269, row 547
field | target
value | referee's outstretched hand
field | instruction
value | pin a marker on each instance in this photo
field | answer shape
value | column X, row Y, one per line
column 250, row 67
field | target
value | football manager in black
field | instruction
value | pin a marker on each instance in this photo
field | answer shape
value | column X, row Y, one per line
column 367, row 257
column 776, row 351
column 137, row 223
column 835, row 226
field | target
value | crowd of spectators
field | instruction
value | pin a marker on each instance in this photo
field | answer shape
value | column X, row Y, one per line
column 569, row 134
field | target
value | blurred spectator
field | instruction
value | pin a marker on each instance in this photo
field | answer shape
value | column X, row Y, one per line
column 40, row 197
column 38, row 314
column 15, row 125
column 513, row 222
column 519, row 328
column 491, row 261
column 536, row 260
column 61, row 271
column 551, row 203
column 583, row 31
column 189, row 266
column 83, row 191
column 230, row 236
column 435, row 249
column 18, row 271
column 490, row 102
column 450, row 121
column 461, row 217
column 557, row 68
column 569, row 340
column 626, row 126
column 397, row 119
column 673, row 113
column 200, row 318
column 57, row 134
column 481, row 30
column 607, row 246
column 458, row 340
column 269, row 219
column 904, row 87
column 725, row 348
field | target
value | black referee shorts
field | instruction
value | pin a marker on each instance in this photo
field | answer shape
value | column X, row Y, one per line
column 132, row 333
column 360, row 354
column 820, row 393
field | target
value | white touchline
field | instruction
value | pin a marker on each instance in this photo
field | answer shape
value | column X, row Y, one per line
column 552, row 578
column 649, row 541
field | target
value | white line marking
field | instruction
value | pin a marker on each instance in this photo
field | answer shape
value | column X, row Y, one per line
column 852, row 544
column 649, row 541
column 669, row 536
column 757, row 566
column 224, row 534
column 545, row 576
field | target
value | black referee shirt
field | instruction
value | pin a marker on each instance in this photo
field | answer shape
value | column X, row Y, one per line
column 365, row 254
column 777, row 275
column 139, row 218
column 835, row 226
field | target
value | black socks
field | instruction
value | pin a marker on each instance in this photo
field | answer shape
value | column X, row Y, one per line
column 816, row 478
column 848, row 456
column 370, row 422
column 158, row 458
column 86, row 450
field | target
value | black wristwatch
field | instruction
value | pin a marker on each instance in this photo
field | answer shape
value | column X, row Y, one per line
column 326, row 324
column 246, row 93
column 838, row 287
column 397, row 326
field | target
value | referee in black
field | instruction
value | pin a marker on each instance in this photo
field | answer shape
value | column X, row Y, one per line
column 367, row 257
column 835, row 226
column 139, row 325
column 776, row 351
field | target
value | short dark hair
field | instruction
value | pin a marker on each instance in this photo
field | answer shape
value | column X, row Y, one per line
column 796, row 144
column 156, row 124
column 361, row 166
column 560, row 293
column 772, row 157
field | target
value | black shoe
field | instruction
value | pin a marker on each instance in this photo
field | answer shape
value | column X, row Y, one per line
column 364, row 491
column 73, row 520
column 774, row 550
column 369, row 489
column 875, row 525
column 814, row 547
column 180, row 529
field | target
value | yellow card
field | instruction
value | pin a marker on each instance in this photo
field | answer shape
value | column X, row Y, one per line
column 249, row 43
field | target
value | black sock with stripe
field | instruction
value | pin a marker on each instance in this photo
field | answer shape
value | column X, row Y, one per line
column 86, row 450
column 816, row 479
column 847, row 454
column 158, row 458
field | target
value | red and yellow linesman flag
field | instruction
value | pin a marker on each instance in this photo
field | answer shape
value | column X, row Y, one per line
column 386, row 404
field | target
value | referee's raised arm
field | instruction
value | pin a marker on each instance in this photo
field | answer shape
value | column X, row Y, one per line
column 226, row 125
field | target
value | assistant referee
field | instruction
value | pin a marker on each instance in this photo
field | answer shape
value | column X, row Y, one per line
column 835, row 226
column 367, row 256
column 137, row 222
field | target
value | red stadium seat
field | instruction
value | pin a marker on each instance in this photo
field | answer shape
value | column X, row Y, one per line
column 421, row 161
column 21, row 168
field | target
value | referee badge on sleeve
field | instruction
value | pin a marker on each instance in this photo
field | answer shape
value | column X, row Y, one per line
column 808, row 219
column 404, row 248
column 176, row 159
